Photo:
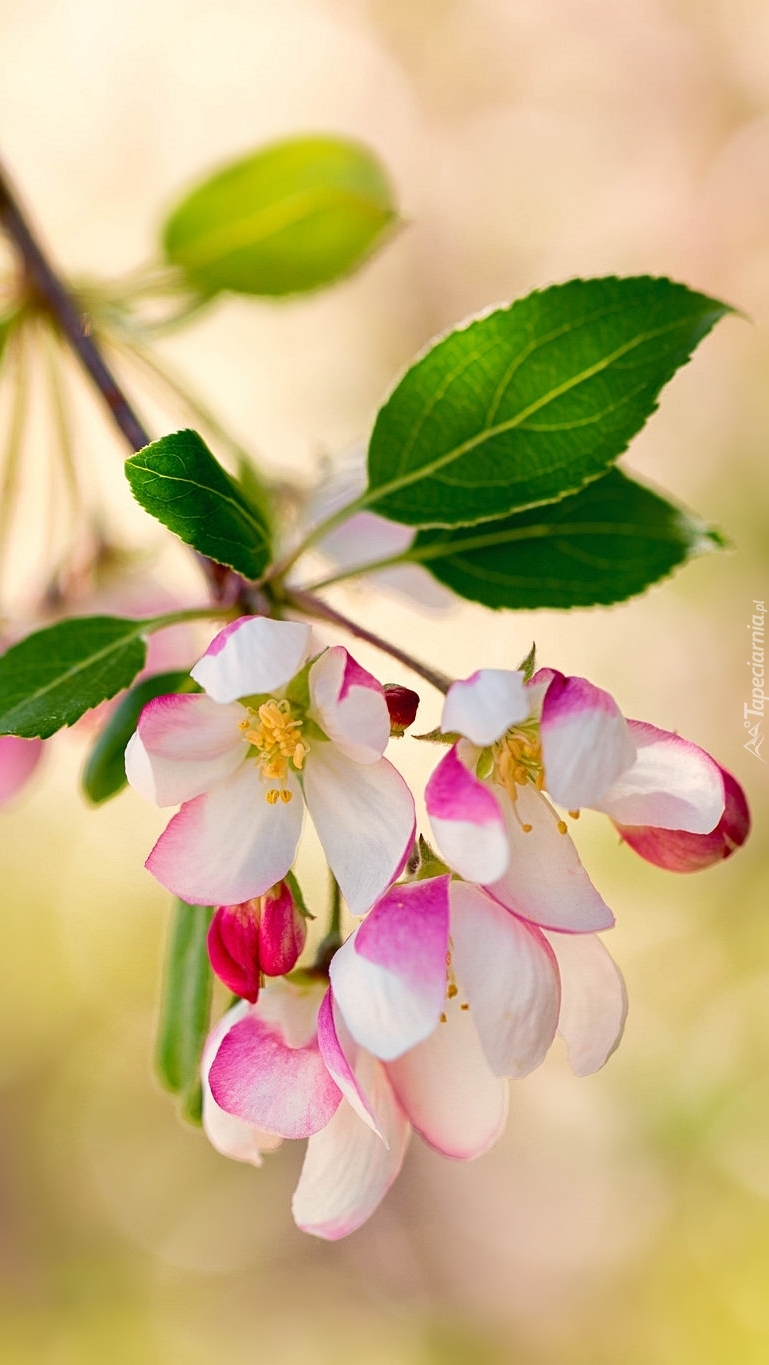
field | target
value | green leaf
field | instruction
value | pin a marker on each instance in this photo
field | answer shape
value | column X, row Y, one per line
column 601, row 545
column 288, row 218
column 104, row 773
column 178, row 481
column 529, row 403
column 185, row 1006
column 52, row 677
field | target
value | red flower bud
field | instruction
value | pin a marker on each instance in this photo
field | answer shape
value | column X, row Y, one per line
column 402, row 704
column 677, row 850
column 233, row 947
column 282, row 931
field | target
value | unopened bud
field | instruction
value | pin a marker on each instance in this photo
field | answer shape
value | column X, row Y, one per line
column 233, row 947
column 282, row 932
column 402, row 704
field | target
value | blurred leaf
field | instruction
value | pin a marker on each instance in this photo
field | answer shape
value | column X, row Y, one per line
column 601, row 545
column 286, row 219
column 178, row 481
column 185, row 1005
column 52, row 677
column 104, row 773
column 528, row 403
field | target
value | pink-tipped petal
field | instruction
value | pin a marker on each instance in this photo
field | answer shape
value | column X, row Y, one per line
column 229, row 844
column 546, row 882
column 389, row 978
column 331, row 1031
column 252, row 655
column 184, row 744
column 673, row 784
column 677, row 850
column 447, row 1089
column 586, row 742
column 18, row 760
column 506, row 973
column 348, row 1169
column 486, row 704
column 364, row 815
column 264, row 1077
column 349, row 705
column 466, row 821
column 593, row 1001
column 228, row 1135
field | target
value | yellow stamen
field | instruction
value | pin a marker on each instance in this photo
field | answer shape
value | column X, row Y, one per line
column 574, row 814
column 276, row 735
column 562, row 827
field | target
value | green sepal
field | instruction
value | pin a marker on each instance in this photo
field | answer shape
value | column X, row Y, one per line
column 296, row 892
column 104, row 772
column 528, row 666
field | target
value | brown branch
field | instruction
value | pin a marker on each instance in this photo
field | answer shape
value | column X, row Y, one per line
column 309, row 605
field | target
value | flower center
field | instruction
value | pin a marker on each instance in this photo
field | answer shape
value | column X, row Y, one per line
column 275, row 734
column 516, row 762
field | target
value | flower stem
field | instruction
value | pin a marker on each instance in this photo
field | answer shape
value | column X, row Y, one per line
column 310, row 605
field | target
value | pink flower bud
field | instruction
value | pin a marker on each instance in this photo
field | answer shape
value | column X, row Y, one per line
column 402, row 704
column 233, row 947
column 282, row 931
column 679, row 851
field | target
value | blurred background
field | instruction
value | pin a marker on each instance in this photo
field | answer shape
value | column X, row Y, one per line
column 623, row 1219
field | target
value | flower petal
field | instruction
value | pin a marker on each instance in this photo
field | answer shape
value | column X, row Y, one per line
column 389, row 978
column 347, row 1169
column 261, row 1078
column 232, row 1137
column 486, row 704
column 447, row 1089
column 364, row 815
column 331, row 1029
column 252, row 655
column 183, row 745
column 229, row 844
column 506, row 973
column 546, row 882
column 593, row 1000
column 673, row 784
column 466, row 821
column 677, row 850
column 18, row 760
column 586, row 742
column 349, row 705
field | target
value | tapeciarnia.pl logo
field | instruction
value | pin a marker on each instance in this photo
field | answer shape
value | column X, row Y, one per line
column 755, row 707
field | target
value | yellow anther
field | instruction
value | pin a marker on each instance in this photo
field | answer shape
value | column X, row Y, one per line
column 286, row 795
column 574, row 814
column 526, row 829
column 451, row 990
column 275, row 733
column 562, row 827
column 443, row 1018
column 465, row 1006
column 272, row 796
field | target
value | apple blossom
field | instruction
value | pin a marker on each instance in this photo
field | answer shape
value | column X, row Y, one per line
column 438, row 996
column 274, row 724
column 562, row 735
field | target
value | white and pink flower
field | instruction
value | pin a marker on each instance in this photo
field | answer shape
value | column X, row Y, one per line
column 562, row 735
column 438, row 996
column 274, row 728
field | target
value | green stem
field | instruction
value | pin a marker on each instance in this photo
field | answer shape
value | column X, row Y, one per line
column 309, row 605
column 317, row 533
column 345, row 574
column 333, row 939
column 10, row 476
